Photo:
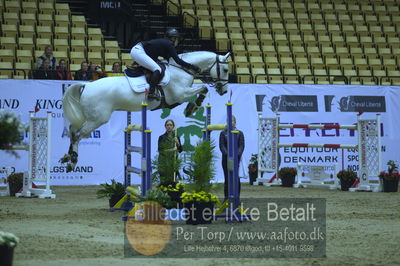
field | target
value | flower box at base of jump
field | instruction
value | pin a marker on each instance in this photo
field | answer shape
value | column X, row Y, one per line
column 199, row 212
column 6, row 255
column 390, row 185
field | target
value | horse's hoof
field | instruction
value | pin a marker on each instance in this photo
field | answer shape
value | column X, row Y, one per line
column 190, row 109
column 74, row 157
column 65, row 158
column 69, row 168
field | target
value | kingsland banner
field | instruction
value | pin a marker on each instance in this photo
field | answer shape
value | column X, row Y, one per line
column 101, row 156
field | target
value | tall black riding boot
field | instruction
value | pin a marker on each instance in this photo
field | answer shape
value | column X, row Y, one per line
column 154, row 80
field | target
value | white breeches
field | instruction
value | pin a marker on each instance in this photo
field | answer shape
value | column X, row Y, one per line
column 139, row 55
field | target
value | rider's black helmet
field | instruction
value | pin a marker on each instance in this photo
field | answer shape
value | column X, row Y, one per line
column 172, row 33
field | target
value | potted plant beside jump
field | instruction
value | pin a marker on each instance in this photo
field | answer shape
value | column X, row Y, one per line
column 11, row 131
column 15, row 182
column 199, row 201
column 390, row 179
column 287, row 176
column 253, row 168
column 151, row 208
column 166, row 172
column 347, row 179
column 175, row 191
column 114, row 192
column 8, row 242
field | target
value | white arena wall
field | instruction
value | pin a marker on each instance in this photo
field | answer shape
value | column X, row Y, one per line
column 101, row 157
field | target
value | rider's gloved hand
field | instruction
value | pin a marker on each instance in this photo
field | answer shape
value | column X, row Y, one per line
column 196, row 69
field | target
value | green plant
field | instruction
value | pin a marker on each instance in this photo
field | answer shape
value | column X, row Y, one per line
column 15, row 179
column 347, row 175
column 392, row 172
column 201, row 196
column 165, row 168
column 158, row 196
column 201, row 167
column 11, row 131
column 253, row 163
column 8, row 239
column 287, row 172
column 174, row 187
column 109, row 190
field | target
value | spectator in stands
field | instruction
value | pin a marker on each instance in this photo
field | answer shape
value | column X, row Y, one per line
column 62, row 72
column 96, row 72
column 48, row 54
column 116, row 70
column 83, row 73
column 44, row 71
column 146, row 54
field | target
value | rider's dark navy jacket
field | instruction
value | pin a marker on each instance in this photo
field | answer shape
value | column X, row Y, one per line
column 165, row 48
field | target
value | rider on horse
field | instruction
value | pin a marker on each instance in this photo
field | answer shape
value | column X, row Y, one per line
column 146, row 54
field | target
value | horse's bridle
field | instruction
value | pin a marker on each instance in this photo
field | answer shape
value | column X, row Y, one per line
column 205, row 76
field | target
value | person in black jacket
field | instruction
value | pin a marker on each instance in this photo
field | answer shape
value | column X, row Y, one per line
column 83, row 73
column 146, row 54
column 223, row 146
column 44, row 71
column 48, row 54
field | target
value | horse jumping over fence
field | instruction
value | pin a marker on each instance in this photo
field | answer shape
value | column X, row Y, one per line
column 88, row 106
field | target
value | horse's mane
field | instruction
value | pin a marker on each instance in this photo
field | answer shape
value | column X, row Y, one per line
column 194, row 57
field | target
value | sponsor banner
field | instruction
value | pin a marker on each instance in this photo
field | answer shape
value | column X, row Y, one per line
column 336, row 105
column 22, row 96
column 101, row 156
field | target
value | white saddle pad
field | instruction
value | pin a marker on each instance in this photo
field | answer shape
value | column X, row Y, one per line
column 139, row 84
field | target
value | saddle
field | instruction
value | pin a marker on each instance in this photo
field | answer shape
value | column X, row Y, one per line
column 136, row 70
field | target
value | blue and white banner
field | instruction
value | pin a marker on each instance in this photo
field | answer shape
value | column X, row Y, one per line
column 101, row 157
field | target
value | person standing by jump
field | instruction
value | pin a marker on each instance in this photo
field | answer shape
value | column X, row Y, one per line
column 223, row 146
column 146, row 54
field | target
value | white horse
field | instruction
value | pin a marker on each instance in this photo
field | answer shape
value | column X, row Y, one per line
column 88, row 106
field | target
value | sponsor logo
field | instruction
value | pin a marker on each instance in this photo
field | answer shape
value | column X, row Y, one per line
column 110, row 4
column 260, row 102
column 65, row 86
column 294, row 103
column 328, row 99
column 9, row 103
column 362, row 104
column 77, row 169
column 48, row 104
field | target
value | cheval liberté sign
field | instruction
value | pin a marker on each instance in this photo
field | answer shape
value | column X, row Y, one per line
column 101, row 156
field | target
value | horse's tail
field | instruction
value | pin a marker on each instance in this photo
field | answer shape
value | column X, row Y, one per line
column 72, row 105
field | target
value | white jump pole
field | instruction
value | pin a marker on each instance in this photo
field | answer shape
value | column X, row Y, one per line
column 368, row 146
column 39, row 157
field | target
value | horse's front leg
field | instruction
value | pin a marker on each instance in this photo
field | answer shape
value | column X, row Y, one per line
column 84, row 132
column 192, row 107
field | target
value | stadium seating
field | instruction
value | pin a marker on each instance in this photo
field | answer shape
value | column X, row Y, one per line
column 322, row 37
column 29, row 26
column 287, row 41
